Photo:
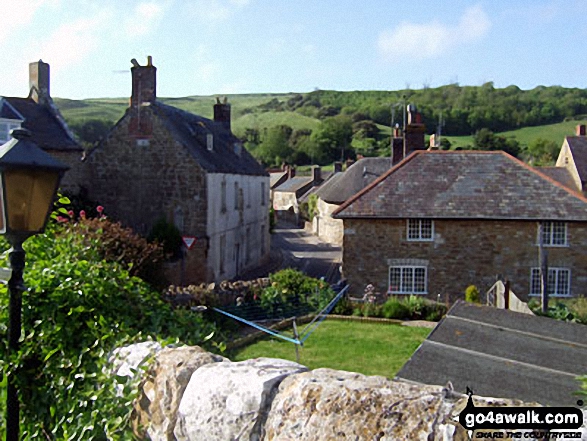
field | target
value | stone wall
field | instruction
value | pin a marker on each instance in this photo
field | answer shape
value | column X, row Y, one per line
column 324, row 226
column 74, row 178
column 462, row 253
column 190, row 394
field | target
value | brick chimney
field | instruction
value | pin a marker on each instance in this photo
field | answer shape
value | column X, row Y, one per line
column 144, row 83
column 581, row 130
column 337, row 167
column 291, row 172
column 316, row 174
column 144, row 93
column 415, row 131
column 39, row 84
column 222, row 112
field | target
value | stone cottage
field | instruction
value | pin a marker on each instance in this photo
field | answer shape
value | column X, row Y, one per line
column 39, row 114
column 573, row 159
column 338, row 189
column 160, row 162
column 440, row 221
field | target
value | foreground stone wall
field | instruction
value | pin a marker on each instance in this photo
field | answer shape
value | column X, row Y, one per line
column 190, row 394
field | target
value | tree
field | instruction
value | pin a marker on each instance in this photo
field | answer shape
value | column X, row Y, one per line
column 543, row 151
column 332, row 138
column 90, row 131
column 275, row 148
column 485, row 139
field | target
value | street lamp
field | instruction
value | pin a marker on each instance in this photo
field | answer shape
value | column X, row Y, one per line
column 29, row 178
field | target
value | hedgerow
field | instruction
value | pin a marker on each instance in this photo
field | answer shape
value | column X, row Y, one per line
column 81, row 304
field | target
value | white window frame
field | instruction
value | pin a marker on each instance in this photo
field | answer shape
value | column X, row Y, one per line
column 407, row 278
column 555, row 274
column 552, row 233
column 417, row 231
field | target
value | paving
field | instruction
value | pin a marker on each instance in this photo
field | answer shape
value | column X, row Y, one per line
column 294, row 247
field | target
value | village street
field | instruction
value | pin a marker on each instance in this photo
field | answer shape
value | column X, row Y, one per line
column 293, row 247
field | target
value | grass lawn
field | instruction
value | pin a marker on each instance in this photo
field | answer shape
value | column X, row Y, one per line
column 368, row 348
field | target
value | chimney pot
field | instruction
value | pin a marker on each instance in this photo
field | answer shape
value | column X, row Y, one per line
column 144, row 83
column 316, row 174
column 581, row 130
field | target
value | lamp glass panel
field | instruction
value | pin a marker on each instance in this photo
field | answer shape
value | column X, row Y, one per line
column 29, row 196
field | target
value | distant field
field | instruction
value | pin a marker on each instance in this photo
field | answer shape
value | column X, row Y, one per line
column 367, row 348
column 554, row 132
column 263, row 120
column 113, row 108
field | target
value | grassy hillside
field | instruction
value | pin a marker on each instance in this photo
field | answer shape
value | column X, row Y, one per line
column 112, row 109
column 525, row 135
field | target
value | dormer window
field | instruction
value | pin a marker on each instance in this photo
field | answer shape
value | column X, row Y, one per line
column 238, row 149
column 210, row 141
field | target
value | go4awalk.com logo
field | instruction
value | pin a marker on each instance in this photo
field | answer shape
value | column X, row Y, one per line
column 541, row 420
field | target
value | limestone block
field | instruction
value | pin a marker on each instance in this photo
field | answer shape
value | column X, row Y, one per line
column 127, row 359
column 229, row 401
column 161, row 391
column 325, row 404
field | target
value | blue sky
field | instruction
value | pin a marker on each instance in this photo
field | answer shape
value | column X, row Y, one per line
column 205, row 47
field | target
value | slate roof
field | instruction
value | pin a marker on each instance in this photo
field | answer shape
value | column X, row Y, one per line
column 578, row 147
column 502, row 354
column 48, row 131
column 276, row 177
column 191, row 130
column 295, row 184
column 345, row 184
column 465, row 185
column 560, row 174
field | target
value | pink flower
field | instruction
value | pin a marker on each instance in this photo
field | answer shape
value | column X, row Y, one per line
column 61, row 219
column 82, row 214
column 99, row 209
column 70, row 212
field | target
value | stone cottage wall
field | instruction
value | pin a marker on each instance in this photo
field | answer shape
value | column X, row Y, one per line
column 74, row 178
column 140, row 181
column 324, row 226
column 463, row 253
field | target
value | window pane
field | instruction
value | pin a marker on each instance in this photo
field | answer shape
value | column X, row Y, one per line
column 535, row 281
column 546, row 232
column 413, row 229
column 394, row 279
column 426, row 229
column 559, row 233
column 551, row 281
column 420, row 280
column 562, row 285
column 407, row 280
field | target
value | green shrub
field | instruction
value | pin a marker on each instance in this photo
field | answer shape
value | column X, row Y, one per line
column 169, row 236
column 578, row 308
column 472, row 294
column 395, row 308
column 79, row 307
column 416, row 306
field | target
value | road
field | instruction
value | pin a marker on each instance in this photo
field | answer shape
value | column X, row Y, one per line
column 305, row 252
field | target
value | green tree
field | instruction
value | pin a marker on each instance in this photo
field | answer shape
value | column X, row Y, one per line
column 485, row 139
column 543, row 151
column 274, row 147
column 333, row 137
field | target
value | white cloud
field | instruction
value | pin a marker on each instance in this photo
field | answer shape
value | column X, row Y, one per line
column 74, row 41
column 429, row 40
column 16, row 14
column 146, row 16
column 216, row 10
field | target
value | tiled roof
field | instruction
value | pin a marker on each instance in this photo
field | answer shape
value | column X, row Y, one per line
column 465, row 185
column 47, row 131
column 480, row 347
column 192, row 130
column 560, row 174
column 578, row 147
column 343, row 185
column 294, row 184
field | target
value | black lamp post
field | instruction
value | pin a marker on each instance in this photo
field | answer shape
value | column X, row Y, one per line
column 29, row 178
